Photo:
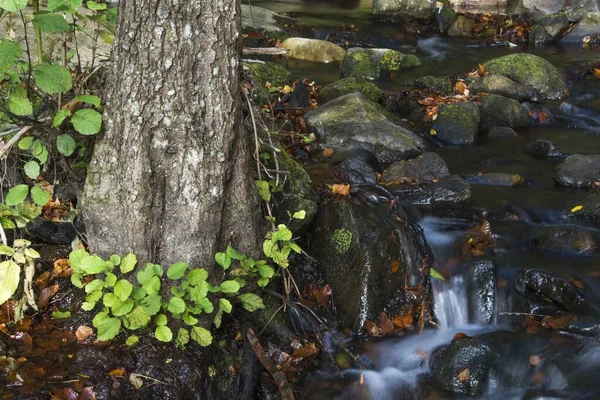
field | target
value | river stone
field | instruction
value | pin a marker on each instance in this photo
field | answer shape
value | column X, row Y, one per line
column 353, row 121
column 557, row 289
column 313, row 50
column 495, row 179
column 374, row 63
column 498, row 110
column 262, row 72
column 462, row 26
column 579, row 170
column 445, row 18
column 481, row 286
column 446, row 191
column 567, row 239
column 355, row 246
column 457, row 123
column 588, row 26
column 501, row 133
column 261, row 18
column 355, row 166
column 499, row 84
column 532, row 71
column 350, row 85
column 576, row 10
column 449, row 362
column 424, row 169
column 549, row 29
column 538, row 9
column 389, row 9
column 543, row 148
column 441, row 84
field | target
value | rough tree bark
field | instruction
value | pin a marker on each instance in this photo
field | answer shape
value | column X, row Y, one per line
column 171, row 178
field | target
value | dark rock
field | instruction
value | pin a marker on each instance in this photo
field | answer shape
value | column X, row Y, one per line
column 501, row 132
column 567, row 239
column 588, row 26
column 375, row 63
column 441, row 84
column 481, row 286
column 350, row 85
column 495, row 179
column 499, row 84
column 446, row 191
column 533, row 72
column 498, row 110
column 591, row 208
column 424, row 169
column 355, row 246
column 557, row 289
column 276, row 324
column 445, row 18
column 54, row 232
column 448, row 362
column 541, row 9
column 300, row 97
column 576, row 10
column 262, row 72
column 352, row 121
column 355, row 166
column 462, row 26
column 549, row 29
column 584, row 326
column 457, row 123
column 579, row 170
column 540, row 114
column 543, row 148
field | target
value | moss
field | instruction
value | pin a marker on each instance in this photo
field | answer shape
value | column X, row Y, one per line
column 261, row 73
column 341, row 239
column 410, row 61
column 390, row 61
column 349, row 85
column 359, row 64
column 440, row 84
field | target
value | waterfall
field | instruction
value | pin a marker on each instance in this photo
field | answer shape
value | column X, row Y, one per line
column 451, row 302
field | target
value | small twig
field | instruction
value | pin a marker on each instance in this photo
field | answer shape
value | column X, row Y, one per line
column 14, row 139
column 264, row 51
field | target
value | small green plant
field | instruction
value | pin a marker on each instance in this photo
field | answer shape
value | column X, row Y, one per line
column 18, row 257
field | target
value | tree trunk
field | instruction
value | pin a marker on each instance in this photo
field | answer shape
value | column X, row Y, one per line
column 171, row 179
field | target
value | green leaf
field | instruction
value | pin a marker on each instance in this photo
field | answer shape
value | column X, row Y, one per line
column 115, row 259
column 8, row 224
column 157, row 269
column 128, row 263
column 92, row 5
column 9, row 52
column 266, row 271
column 76, row 280
column 61, row 314
column 230, row 287
column 75, row 258
column 223, row 260
column 9, row 279
column 225, row 305
column 178, row 292
column 206, row 305
column 94, row 296
column 436, row 274
column 25, row 143
column 268, row 248
column 64, row 5
column 201, row 336
column 96, row 284
column 13, row 5
column 32, row 170
column 110, row 280
column 120, row 308
column 19, row 105
column 218, row 318
column 39, row 151
column 163, row 333
column 299, row 214
column 198, row 292
column 234, row 254
column 123, row 289
column 87, row 121
column 138, row 293
column 108, row 328
column 262, row 282
column 183, row 338
column 197, row 276
column 89, row 99
column 176, row 305
column 60, row 117
column 282, row 233
column 52, row 78
column 88, row 306
column 263, row 190
column 177, row 270
column 65, row 144
column 16, row 195
column 6, row 250
column 144, row 276
column 151, row 304
column 161, row 320
column 51, row 23
column 153, row 286
column 39, row 195
column 295, row 247
column 189, row 319
column 92, row 265
column 136, row 319
column 31, row 253
column 251, row 302
column 132, row 340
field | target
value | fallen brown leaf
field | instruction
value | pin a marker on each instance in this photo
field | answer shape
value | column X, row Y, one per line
column 83, row 332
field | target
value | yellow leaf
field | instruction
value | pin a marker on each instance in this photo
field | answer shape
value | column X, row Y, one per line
column 576, row 208
column 464, row 375
column 287, row 89
column 433, row 132
column 340, row 189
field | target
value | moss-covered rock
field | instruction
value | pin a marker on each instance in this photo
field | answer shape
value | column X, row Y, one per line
column 313, row 50
column 445, row 18
column 375, row 63
column 498, row 110
column 260, row 73
column 276, row 323
column 410, row 61
column 350, row 85
column 533, row 72
column 425, row 168
column 352, row 121
column 462, row 26
column 500, row 84
column 441, row 84
column 457, row 123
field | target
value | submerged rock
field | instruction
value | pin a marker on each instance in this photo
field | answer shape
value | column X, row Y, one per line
column 498, row 110
column 500, row 84
column 588, row 26
column 549, row 29
column 355, row 246
column 543, row 148
column 567, row 239
column 313, row 50
column 352, row 121
column 350, row 85
column 375, row 63
column 424, row 169
column 501, row 132
column 533, row 72
column 495, row 179
column 579, row 170
column 457, row 123
column 446, row 191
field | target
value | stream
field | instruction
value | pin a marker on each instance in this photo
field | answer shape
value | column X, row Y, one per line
column 548, row 365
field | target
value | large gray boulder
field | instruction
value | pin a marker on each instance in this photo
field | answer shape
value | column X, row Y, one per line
column 579, row 170
column 576, row 10
column 539, row 9
column 500, row 84
column 261, row 18
column 313, row 50
column 388, row 9
column 549, row 29
column 353, row 121
column 588, row 26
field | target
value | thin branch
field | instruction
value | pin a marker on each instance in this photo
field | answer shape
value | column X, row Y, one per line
column 13, row 140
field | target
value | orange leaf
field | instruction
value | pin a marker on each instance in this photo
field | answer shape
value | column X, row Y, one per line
column 464, row 375
column 328, row 152
column 403, row 321
column 597, row 72
column 395, row 266
column 535, row 360
column 341, row 189
column 460, row 87
column 117, row 373
column 83, row 332
column 481, row 70
column 305, row 351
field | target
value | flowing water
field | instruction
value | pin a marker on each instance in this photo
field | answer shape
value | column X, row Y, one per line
column 398, row 368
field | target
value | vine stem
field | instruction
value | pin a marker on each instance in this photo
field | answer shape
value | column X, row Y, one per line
column 38, row 34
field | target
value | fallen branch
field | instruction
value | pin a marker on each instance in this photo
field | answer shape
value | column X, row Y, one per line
column 264, row 51
column 14, row 139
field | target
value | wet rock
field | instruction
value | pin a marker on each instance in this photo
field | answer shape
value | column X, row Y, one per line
column 313, row 50
column 391, row 9
column 462, row 26
column 543, row 148
column 53, row 232
column 261, row 18
column 539, row 113
column 355, row 245
column 501, row 132
column 353, row 121
column 540, row 9
column 584, row 326
column 481, row 286
column 449, row 366
column 533, row 72
column 457, row 123
column 262, row 72
column 588, row 26
column 445, row 18
column 567, row 239
column 356, row 166
column 424, row 169
column 551, row 287
column 579, row 170
column 495, row 179
column 499, row 84
column 350, row 85
column 299, row 193
column 591, row 208
column 373, row 63
column 441, row 84
column 576, row 10
column 549, row 29
column 446, row 191
column 276, row 324
column 498, row 110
